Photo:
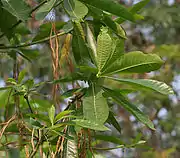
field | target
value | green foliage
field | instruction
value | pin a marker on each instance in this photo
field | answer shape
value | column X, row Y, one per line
column 95, row 51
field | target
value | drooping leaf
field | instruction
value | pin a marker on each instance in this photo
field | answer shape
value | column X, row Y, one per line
column 17, row 8
column 75, row 9
column 21, row 76
column 146, row 83
column 111, row 7
column 112, row 120
column 44, row 10
column 104, row 48
column 134, row 9
column 92, row 44
column 51, row 113
column 114, row 26
column 79, row 47
column 90, row 124
column 135, row 62
column 111, row 139
column 120, row 99
column 95, row 107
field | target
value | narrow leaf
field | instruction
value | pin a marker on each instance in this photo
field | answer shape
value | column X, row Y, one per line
column 135, row 62
column 134, row 9
column 146, row 83
column 79, row 46
column 120, row 99
column 51, row 113
column 90, row 124
column 112, row 120
column 21, row 76
column 114, row 26
column 111, row 139
column 62, row 114
column 92, row 43
column 111, row 7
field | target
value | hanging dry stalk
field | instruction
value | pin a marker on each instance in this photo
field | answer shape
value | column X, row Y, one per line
column 54, row 45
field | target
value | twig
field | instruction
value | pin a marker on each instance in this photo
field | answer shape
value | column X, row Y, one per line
column 6, row 125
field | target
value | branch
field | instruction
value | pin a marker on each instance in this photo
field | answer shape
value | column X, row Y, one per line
column 32, row 43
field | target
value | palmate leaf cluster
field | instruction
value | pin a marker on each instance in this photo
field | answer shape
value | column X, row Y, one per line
column 99, row 54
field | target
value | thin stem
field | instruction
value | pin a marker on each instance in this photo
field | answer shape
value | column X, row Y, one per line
column 32, row 43
column 27, row 100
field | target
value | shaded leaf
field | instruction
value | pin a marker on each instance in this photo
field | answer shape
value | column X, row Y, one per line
column 111, row 7
column 109, row 139
column 36, row 124
column 120, row 99
column 79, row 47
column 112, row 120
column 134, row 9
column 146, row 83
column 45, row 30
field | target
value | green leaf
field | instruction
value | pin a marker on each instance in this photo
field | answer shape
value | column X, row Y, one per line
column 146, row 83
column 117, row 51
column 90, row 124
column 62, row 114
column 5, row 88
column 95, row 107
column 112, row 120
column 75, row 9
column 29, row 54
column 134, row 9
column 104, row 48
column 111, row 7
column 45, row 30
column 44, row 10
column 92, row 44
column 135, row 62
column 51, row 113
column 79, row 47
column 111, row 139
column 36, row 124
column 21, row 76
column 118, row 30
column 8, row 21
column 17, row 8
column 120, row 99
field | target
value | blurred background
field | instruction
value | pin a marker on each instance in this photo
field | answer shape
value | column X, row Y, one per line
column 158, row 33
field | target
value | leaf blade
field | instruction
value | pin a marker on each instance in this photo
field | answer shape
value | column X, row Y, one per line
column 120, row 99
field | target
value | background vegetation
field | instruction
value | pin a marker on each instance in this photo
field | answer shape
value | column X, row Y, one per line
column 33, row 34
